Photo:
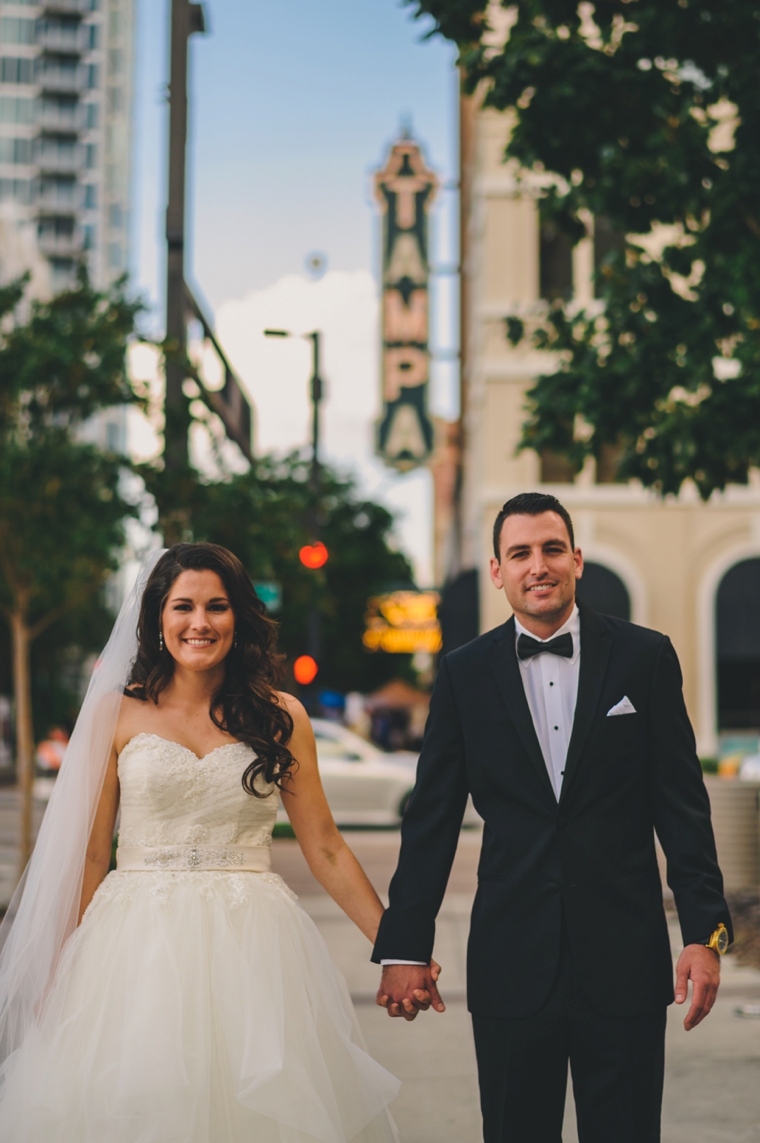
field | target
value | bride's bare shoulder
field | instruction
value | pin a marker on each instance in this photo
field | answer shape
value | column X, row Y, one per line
column 295, row 709
column 133, row 699
column 290, row 702
column 131, row 716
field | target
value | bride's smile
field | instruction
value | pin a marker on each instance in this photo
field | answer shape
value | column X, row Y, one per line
column 198, row 623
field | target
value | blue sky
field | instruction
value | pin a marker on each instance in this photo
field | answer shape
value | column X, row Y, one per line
column 293, row 105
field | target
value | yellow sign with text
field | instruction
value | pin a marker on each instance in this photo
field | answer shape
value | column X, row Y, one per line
column 403, row 623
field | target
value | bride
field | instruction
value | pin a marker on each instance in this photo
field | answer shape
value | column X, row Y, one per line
column 185, row 997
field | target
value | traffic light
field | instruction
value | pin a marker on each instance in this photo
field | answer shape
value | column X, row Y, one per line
column 314, row 555
column 305, row 670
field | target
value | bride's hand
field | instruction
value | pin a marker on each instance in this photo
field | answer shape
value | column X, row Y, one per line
column 408, row 989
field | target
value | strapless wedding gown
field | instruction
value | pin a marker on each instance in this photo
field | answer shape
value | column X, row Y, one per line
column 196, row 1002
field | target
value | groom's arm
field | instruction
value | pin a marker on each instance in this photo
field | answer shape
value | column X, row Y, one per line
column 682, row 821
column 429, row 834
column 682, row 808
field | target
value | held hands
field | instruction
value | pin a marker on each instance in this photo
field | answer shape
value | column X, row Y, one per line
column 701, row 965
column 406, row 989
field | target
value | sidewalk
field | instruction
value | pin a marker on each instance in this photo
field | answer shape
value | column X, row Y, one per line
column 712, row 1074
column 434, row 1055
column 10, row 822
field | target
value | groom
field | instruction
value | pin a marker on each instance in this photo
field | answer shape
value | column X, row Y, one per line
column 569, row 730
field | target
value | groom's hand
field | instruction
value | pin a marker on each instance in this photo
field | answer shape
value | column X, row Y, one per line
column 406, row 989
column 701, row 966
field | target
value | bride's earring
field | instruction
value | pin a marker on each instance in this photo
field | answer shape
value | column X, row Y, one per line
column 235, row 640
column 160, row 639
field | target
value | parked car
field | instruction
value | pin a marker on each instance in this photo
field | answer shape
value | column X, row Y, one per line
column 364, row 785
column 749, row 771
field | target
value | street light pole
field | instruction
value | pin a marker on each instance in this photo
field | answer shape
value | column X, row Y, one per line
column 316, row 393
column 316, row 390
column 186, row 18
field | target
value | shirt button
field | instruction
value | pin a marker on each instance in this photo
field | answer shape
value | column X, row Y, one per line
column 551, row 684
column 556, row 728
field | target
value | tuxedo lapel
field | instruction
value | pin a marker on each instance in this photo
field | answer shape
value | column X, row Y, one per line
column 595, row 652
column 506, row 668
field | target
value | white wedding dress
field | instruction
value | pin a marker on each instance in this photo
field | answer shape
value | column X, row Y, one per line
column 196, row 1002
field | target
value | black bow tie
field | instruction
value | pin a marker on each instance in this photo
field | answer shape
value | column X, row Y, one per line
column 562, row 645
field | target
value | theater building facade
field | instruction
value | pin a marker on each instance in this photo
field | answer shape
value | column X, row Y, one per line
column 689, row 569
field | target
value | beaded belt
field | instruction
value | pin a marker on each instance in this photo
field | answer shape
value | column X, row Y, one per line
column 242, row 858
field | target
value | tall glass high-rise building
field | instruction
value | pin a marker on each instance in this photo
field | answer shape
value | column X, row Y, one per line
column 65, row 135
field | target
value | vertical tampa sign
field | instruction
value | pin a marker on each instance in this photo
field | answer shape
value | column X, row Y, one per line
column 405, row 188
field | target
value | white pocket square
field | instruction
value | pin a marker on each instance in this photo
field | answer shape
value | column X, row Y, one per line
column 625, row 706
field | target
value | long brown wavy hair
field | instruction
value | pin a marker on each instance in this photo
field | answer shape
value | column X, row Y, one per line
column 246, row 704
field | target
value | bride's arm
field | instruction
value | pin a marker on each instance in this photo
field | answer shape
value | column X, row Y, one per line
column 328, row 857
column 98, row 856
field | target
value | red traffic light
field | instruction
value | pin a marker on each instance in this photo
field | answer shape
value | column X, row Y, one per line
column 305, row 670
column 313, row 555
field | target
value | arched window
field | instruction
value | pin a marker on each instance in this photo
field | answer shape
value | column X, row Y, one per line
column 738, row 647
column 603, row 591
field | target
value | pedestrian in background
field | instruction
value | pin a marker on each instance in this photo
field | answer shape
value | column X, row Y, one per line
column 51, row 750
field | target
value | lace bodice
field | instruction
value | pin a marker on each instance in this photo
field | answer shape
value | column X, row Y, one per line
column 170, row 797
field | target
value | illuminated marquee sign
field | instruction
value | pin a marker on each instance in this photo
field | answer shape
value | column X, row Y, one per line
column 403, row 623
column 405, row 188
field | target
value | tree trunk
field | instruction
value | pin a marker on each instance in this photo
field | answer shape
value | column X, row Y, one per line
column 22, row 690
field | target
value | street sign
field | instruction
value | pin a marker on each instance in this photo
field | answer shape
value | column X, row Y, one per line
column 270, row 594
column 403, row 623
column 405, row 188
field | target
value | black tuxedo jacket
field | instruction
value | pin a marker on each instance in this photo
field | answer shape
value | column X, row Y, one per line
column 592, row 855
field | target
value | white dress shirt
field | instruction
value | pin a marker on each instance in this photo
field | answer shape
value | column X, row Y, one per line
column 551, row 688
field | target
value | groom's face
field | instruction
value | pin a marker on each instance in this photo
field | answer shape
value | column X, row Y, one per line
column 537, row 568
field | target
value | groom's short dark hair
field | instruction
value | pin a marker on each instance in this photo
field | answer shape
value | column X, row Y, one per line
column 530, row 504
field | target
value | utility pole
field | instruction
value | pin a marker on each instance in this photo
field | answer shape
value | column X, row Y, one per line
column 186, row 18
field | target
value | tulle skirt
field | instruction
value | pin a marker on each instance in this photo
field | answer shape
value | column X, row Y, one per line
column 198, row 1007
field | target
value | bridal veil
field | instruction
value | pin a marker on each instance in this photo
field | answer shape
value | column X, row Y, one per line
column 44, row 909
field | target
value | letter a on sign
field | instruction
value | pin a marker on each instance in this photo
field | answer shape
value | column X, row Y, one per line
column 405, row 188
column 406, row 261
column 405, row 433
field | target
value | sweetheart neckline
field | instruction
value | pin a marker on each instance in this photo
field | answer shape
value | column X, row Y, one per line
column 180, row 746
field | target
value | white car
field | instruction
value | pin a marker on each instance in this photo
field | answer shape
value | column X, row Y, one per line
column 364, row 785
column 749, row 771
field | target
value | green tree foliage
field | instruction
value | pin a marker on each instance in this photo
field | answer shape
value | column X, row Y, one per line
column 263, row 517
column 646, row 113
column 61, row 502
